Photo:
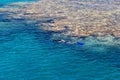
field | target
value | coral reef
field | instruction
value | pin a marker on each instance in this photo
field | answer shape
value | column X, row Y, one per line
column 71, row 17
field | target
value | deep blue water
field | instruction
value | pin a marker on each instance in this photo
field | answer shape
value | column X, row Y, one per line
column 27, row 53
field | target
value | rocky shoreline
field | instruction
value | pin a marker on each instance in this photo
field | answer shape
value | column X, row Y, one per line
column 76, row 18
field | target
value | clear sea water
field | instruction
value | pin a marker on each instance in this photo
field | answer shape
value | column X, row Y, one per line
column 27, row 53
column 3, row 2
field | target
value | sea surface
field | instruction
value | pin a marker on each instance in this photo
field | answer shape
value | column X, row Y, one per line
column 5, row 2
column 27, row 53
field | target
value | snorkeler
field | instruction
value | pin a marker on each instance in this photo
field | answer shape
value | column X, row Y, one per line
column 61, row 40
column 68, row 42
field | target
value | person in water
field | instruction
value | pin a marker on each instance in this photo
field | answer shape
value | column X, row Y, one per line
column 60, row 40
column 63, row 41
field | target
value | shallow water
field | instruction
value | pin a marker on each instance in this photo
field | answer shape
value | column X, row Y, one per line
column 5, row 2
column 27, row 53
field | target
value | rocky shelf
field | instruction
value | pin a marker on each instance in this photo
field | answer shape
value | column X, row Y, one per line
column 71, row 17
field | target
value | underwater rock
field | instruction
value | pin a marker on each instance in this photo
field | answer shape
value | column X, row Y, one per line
column 82, row 18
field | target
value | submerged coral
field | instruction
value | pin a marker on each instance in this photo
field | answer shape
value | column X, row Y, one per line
column 74, row 18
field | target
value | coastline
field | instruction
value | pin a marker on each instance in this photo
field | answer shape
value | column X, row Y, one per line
column 81, row 19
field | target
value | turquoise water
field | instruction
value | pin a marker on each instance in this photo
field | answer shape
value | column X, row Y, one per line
column 27, row 53
column 3, row 2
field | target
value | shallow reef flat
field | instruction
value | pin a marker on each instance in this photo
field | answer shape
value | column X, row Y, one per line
column 71, row 18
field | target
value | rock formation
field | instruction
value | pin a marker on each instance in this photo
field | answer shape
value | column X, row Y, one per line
column 71, row 17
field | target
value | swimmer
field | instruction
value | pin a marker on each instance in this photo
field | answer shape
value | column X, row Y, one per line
column 63, row 41
column 60, row 40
